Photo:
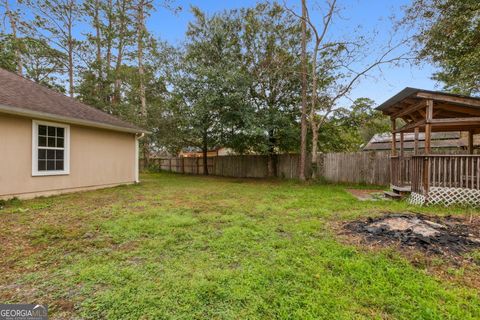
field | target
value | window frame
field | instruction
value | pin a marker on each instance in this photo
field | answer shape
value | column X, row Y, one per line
column 35, row 147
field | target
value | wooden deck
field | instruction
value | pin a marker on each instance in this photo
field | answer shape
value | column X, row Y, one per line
column 427, row 174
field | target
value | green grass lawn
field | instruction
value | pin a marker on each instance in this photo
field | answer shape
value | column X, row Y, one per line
column 186, row 247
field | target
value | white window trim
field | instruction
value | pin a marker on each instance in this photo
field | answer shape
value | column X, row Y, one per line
column 66, row 165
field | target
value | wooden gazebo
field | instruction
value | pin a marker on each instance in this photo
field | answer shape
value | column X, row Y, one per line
column 434, row 178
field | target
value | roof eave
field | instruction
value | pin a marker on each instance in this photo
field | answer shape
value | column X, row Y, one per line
column 69, row 120
column 425, row 94
column 405, row 93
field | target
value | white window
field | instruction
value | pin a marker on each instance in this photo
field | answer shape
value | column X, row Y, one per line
column 51, row 148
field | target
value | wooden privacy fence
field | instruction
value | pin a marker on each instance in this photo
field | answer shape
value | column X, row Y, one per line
column 356, row 167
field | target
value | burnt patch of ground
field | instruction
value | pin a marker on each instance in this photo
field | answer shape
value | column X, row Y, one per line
column 447, row 236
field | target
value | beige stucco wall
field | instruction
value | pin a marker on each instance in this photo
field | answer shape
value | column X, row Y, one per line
column 98, row 158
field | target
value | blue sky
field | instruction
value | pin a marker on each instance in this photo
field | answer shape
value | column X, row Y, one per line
column 368, row 14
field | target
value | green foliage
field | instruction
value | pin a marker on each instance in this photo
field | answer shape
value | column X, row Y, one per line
column 7, row 53
column 237, row 81
column 271, row 42
column 449, row 33
column 41, row 62
column 211, row 85
column 350, row 129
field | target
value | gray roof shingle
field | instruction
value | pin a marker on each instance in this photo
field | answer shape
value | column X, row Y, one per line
column 27, row 96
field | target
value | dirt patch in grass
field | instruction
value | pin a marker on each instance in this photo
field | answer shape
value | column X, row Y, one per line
column 448, row 236
column 366, row 194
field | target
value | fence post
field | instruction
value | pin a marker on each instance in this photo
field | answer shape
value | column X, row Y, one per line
column 183, row 164
column 198, row 166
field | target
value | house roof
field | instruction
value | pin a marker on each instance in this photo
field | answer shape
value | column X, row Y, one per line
column 24, row 97
column 383, row 141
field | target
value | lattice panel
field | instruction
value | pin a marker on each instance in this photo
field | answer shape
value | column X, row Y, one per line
column 449, row 196
column 417, row 199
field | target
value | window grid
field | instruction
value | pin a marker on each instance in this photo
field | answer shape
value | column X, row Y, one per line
column 51, row 148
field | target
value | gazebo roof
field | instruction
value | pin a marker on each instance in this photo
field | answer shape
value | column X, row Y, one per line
column 450, row 112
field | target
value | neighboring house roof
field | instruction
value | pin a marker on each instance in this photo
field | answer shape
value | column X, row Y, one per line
column 383, row 141
column 196, row 152
column 24, row 97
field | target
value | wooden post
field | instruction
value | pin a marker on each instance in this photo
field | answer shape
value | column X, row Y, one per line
column 470, row 142
column 183, row 164
column 428, row 140
column 198, row 165
column 402, row 152
column 428, row 127
column 393, row 168
column 415, row 147
column 402, row 162
column 394, row 138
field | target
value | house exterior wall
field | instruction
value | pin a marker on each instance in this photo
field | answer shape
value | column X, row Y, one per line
column 98, row 158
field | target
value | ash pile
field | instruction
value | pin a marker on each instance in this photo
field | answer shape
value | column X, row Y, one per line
column 448, row 236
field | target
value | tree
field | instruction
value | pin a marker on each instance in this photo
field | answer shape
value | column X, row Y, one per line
column 348, row 129
column 108, row 51
column 303, row 123
column 334, row 68
column 8, row 53
column 211, row 85
column 141, row 8
column 123, row 35
column 448, row 36
column 40, row 62
column 15, row 42
column 271, row 46
column 57, row 19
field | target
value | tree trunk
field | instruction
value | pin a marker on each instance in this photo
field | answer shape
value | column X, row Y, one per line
column 313, row 114
column 98, row 43
column 314, row 166
column 109, row 37
column 205, row 153
column 146, row 151
column 272, row 160
column 141, row 73
column 121, row 35
column 272, row 165
column 303, row 138
column 118, row 81
column 13, row 26
column 70, row 50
